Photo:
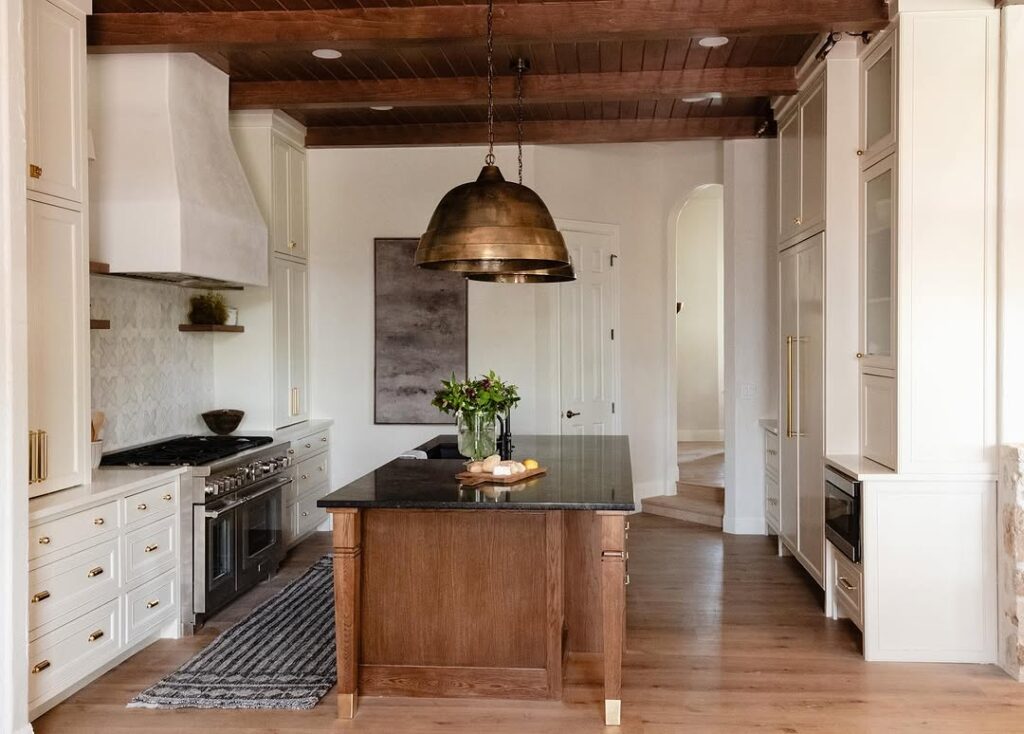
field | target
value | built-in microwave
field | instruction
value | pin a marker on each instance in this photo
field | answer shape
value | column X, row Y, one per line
column 842, row 513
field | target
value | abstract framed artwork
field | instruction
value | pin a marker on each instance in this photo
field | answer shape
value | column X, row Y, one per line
column 420, row 334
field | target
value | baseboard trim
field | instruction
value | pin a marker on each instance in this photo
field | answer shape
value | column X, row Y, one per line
column 687, row 435
column 743, row 525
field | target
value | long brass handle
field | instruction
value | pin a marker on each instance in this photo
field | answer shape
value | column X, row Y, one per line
column 94, row 572
column 95, row 635
column 38, row 597
column 44, row 452
column 33, row 447
column 790, row 341
column 40, row 667
column 846, row 584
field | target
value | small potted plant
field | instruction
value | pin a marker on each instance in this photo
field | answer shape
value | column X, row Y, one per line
column 208, row 308
column 476, row 404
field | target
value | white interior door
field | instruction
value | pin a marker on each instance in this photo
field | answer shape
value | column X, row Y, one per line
column 588, row 342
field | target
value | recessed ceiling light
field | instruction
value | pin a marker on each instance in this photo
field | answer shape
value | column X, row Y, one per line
column 382, row 107
column 327, row 53
column 713, row 41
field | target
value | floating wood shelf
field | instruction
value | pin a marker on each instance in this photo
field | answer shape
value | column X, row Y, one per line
column 98, row 267
column 211, row 327
column 99, row 324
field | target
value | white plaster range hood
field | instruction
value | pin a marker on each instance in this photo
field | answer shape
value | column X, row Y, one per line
column 168, row 198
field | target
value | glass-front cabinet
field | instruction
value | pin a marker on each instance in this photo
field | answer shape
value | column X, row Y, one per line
column 878, row 102
column 878, row 265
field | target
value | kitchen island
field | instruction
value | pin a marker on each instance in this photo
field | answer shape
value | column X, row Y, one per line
column 450, row 591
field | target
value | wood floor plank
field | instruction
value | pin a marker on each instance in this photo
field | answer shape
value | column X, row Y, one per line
column 724, row 637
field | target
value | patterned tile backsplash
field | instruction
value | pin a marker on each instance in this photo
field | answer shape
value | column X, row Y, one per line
column 150, row 379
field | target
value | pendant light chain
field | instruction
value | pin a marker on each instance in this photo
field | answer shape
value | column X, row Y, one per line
column 490, row 83
column 519, row 114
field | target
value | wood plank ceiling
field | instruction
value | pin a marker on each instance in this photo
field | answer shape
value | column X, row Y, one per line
column 601, row 70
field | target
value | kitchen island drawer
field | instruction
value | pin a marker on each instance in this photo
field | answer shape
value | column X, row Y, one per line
column 848, row 587
column 150, row 605
column 310, row 473
column 73, row 651
column 302, row 448
column 88, row 577
column 92, row 525
column 150, row 504
column 150, row 548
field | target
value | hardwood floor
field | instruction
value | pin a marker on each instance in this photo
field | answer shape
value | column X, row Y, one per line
column 723, row 636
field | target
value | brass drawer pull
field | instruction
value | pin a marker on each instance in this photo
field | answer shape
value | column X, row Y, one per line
column 168, row 497
column 35, row 171
column 627, row 579
column 40, row 667
column 291, row 244
column 95, row 635
column 94, row 572
column 98, row 521
column 36, row 598
column 142, row 506
column 614, row 554
column 151, row 548
column 846, row 584
column 45, row 540
column 152, row 603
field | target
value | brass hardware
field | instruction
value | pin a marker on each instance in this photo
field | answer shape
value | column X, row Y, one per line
column 151, row 548
column 294, row 407
column 168, row 497
column 291, row 244
column 38, row 597
column 94, row 572
column 860, row 153
column 627, row 579
column 790, row 341
column 304, row 477
column 33, row 446
column 324, row 439
column 45, row 540
column 98, row 521
column 797, row 221
column 561, row 274
column 142, row 506
column 35, row 171
column 291, row 451
column 305, row 514
column 627, row 525
column 846, row 584
column 40, row 667
column 44, row 453
column 614, row 554
column 152, row 603
column 860, row 355
column 95, row 635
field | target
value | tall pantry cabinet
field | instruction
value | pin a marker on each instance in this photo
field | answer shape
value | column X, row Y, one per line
column 57, row 251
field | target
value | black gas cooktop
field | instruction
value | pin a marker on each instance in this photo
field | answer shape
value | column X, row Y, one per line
column 184, row 451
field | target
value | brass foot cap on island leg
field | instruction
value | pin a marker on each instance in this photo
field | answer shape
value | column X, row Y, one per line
column 347, row 705
column 612, row 712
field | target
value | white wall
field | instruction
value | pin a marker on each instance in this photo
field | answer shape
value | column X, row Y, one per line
column 750, row 327
column 357, row 195
column 699, row 325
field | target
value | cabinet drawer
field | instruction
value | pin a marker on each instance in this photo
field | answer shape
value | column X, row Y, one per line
column 150, row 503
column 73, row 651
column 86, row 577
column 771, row 453
column 150, row 605
column 848, row 587
column 304, row 447
column 307, row 514
column 771, row 501
column 94, row 524
column 310, row 473
column 149, row 548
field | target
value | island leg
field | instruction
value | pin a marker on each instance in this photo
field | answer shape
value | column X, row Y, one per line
column 347, row 563
column 613, row 611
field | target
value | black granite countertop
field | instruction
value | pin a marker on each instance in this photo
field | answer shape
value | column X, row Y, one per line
column 583, row 473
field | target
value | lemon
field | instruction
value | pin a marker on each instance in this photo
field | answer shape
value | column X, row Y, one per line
column 531, row 464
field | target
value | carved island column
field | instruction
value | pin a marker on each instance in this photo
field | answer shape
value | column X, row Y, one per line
column 347, row 594
column 613, row 610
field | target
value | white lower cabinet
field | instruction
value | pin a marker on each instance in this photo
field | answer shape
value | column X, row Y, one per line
column 772, row 499
column 311, row 455
column 844, row 587
column 103, row 582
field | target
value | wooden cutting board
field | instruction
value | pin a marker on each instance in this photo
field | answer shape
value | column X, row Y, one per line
column 469, row 479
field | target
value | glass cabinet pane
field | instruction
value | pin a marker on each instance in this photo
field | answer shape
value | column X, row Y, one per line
column 878, row 121
column 878, row 251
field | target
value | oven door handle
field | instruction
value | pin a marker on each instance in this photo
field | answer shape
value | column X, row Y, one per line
column 214, row 514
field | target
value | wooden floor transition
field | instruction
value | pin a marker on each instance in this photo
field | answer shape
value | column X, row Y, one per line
column 723, row 637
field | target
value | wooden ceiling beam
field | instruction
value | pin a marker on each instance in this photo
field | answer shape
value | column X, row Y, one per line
column 539, row 132
column 617, row 20
column 537, row 89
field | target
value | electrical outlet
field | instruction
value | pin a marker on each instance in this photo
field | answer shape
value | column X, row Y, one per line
column 748, row 391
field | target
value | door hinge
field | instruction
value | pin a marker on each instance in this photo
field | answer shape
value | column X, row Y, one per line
column 611, row 260
column 613, row 407
column 613, row 334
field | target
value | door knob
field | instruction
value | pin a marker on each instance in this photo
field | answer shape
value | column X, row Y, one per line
column 571, row 414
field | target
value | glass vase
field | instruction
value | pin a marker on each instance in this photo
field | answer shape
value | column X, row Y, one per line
column 477, row 438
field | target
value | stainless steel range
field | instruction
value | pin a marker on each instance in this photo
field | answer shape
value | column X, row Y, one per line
column 232, row 532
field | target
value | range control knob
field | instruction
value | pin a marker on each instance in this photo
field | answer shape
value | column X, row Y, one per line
column 210, row 488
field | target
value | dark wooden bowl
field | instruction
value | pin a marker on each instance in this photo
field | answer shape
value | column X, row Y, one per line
column 223, row 422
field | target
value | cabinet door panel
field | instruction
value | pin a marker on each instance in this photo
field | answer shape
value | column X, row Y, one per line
column 878, row 265
column 812, row 163
column 878, row 103
column 878, row 419
column 298, row 326
column 297, row 239
column 280, row 277
column 279, row 200
column 789, row 176
column 789, row 447
column 55, row 48
column 57, row 330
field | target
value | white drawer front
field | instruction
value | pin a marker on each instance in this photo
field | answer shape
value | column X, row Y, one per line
column 771, row 453
column 92, row 525
column 87, row 577
column 72, row 651
column 304, row 447
column 151, row 503
column 150, row 605
column 771, row 501
column 307, row 514
column 310, row 473
column 150, row 548
column 848, row 586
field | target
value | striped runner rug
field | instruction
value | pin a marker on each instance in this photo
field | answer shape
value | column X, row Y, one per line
column 279, row 657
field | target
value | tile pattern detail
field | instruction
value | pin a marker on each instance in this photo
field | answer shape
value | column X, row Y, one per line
column 151, row 380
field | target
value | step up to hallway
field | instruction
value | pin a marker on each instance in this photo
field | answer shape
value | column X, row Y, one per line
column 682, row 507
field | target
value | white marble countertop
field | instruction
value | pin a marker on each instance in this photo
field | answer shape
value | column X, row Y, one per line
column 107, row 483
column 769, row 424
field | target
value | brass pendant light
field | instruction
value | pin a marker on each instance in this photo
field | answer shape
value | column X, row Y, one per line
column 491, row 225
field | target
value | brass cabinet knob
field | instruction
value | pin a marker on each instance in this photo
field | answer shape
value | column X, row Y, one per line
column 291, row 244
column 168, row 497
column 309, row 445
column 98, row 521
column 305, row 514
column 142, row 506
column 860, row 355
column 40, row 666
column 323, row 439
column 95, row 635
column 152, row 603
column 151, row 548
column 860, row 153
column 797, row 220
column 35, row 171
column 36, row 598
column 304, row 477
column 94, row 572
column 45, row 540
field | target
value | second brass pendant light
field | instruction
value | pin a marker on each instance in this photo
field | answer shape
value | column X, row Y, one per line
column 491, row 229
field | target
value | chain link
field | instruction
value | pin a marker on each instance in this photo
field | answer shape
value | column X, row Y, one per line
column 490, row 83
column 520, row 64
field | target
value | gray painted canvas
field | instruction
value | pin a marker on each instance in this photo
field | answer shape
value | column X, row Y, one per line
column 420, row 334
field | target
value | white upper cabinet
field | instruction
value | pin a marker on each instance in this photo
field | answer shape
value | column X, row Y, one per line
column 55, row 124
column 878, row 265
column 288, row 191
column 291, row 332
column 878, row 102
column 802, row 167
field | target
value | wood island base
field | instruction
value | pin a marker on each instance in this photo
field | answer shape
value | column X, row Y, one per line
column 476, row 603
